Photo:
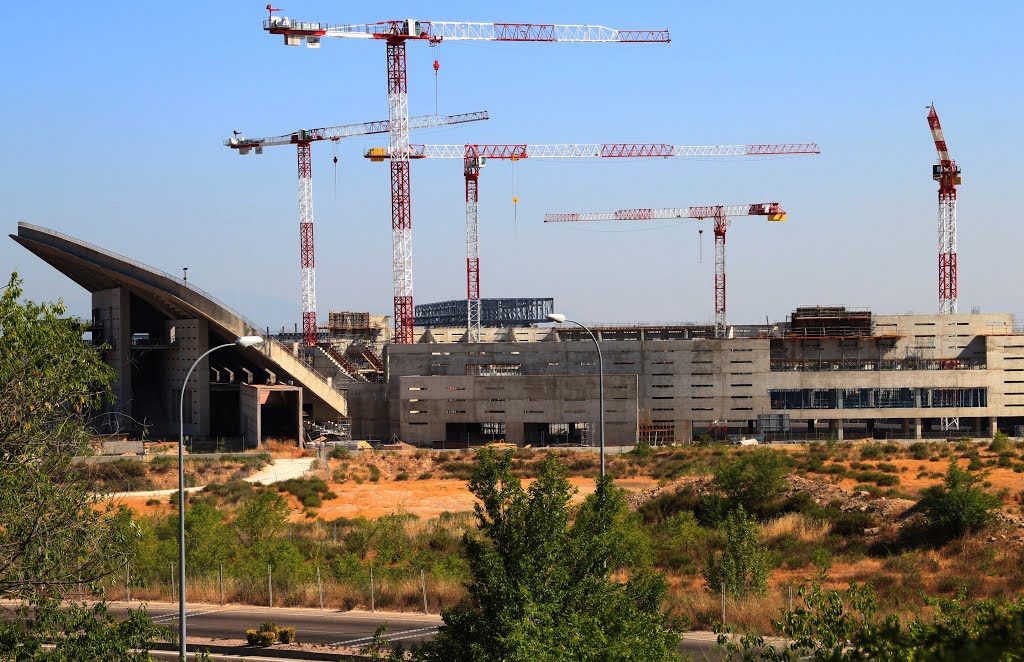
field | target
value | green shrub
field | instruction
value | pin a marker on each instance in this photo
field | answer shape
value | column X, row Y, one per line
column 340, row 453
column 919, row 450
column 426, row 475
column 958, row 505
column 752, row 480
column 1000, row 442
column 310, row 492
column 888, row 468
column 374, row 473
column 287, row 635
column 402, row 476
column 744, row 565
column 870, row 451
column 260, row 637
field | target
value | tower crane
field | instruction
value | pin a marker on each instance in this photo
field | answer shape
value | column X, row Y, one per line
column 947, row 173
column 395, row 34
column 720, row 213
column 302, row 139
column 476, row 156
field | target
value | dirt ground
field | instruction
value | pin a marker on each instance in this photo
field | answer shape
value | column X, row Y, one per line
column 911, row 484
column 424, row 498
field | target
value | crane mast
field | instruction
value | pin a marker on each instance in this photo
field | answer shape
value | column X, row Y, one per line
column 947, row 174
column 396, row 34
column 475, row 156
column 303, row 139
column 720, row 213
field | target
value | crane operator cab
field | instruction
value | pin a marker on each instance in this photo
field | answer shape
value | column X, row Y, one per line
column 412, row 27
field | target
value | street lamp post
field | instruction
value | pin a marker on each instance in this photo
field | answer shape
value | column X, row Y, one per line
column 559, row 318
column 244, row 341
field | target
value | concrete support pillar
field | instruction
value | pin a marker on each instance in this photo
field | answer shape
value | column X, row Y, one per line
column 979, row 424
column 906, row 427
column 993, row 425
column 917, row 428
column 839, row 429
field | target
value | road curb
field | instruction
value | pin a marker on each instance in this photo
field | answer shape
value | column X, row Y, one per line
column 257, row 651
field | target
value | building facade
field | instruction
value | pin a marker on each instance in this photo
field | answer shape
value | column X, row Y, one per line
column 825, row 372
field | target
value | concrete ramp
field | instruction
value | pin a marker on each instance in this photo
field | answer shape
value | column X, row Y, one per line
column 97, row 269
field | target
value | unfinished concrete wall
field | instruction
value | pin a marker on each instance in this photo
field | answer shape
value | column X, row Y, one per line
column 270, row 410
column 428, row 404
column 111, row 312
column 191, row 341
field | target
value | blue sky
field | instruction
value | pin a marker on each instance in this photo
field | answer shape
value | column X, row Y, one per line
column 115, row 113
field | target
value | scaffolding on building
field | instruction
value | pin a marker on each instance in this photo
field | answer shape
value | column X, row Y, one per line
column 505, row 312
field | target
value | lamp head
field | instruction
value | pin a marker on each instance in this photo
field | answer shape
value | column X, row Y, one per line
column 248, row 341
column 556, row 317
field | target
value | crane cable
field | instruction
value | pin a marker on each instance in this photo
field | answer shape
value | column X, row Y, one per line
column 335, row 169
column 437, row 66
column 700, row 242
column 515, row 197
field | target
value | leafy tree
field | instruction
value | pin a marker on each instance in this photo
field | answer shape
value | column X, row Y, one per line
column 261, row 517
column 744, row 565
column 752, row 480
column 542, row 586
column 55, row 532
column 958, row 505
column 840, row 626
column 1000, row 442
column 70, row 633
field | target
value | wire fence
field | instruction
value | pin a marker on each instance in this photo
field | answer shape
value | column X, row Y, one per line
column 375, row 590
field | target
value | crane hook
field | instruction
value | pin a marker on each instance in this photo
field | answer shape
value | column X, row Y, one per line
column 700, row 243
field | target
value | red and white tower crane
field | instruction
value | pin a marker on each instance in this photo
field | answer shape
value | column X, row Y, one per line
column 947, row 173
column 720, row 213
column 476, row 156
column 302, row 139
column 395, row 34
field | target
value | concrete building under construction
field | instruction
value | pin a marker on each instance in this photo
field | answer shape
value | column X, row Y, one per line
column 825, row 371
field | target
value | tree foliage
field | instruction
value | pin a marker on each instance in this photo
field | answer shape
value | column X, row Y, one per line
column 958, row 505
column 840, row 626
column 47, row 630
column 752, row 480
column 743, row 567
column 542, row 586
column 54, row 535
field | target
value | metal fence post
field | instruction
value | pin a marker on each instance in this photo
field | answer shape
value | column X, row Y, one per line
column 373, row 606
column 423, row 585
column 172, row 582
column 221, row 576
column 319, row 587
column 723, row 603
column 270, row 585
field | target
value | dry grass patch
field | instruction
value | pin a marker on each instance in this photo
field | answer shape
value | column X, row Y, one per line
column 797, row 526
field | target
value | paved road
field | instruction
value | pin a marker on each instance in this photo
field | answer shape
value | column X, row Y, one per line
column 351, row 628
